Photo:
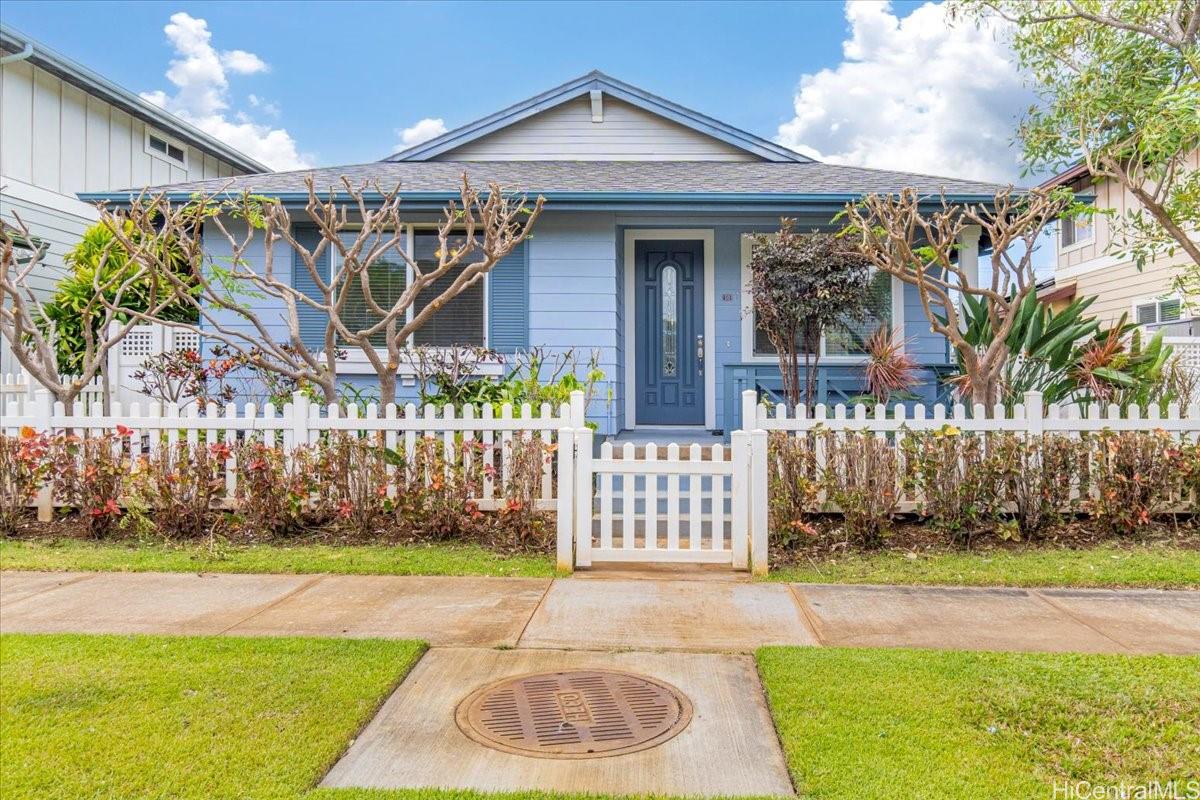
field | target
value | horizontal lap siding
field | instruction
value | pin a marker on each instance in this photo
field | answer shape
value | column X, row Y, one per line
column 567, row 133
column 57, row 221
column 573, row 297
column 269, row 310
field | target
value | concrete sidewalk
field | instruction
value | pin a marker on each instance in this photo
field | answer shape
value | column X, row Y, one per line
column 602, row 614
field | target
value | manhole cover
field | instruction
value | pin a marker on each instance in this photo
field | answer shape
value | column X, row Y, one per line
column 574, row 714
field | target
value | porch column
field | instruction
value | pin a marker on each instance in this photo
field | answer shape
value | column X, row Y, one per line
column 968, row 253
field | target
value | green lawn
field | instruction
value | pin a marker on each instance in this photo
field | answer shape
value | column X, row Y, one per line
column 1157, row 567
column 433, row 559
column 201, row 717
column 922, row 724
column 187, row 717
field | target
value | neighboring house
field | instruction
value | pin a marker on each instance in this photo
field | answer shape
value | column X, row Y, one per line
column 64, row 130
column 1086, row 265
column 641, row 252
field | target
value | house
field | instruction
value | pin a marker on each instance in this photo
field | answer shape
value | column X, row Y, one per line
column 65, row 129
column 1086, row 265
column 641, row 252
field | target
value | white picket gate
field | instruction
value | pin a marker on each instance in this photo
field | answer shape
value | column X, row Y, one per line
column 708, row 506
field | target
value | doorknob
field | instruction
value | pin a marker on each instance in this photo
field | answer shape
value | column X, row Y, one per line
column 700, row 354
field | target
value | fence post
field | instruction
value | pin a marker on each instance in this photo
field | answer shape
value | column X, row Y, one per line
column 749, row 410
column 112, row 372
column 1034, row 413
column 583, row 497
column 758, row 502
column 565, row 515
column 740, row 498
column 578, row 409
column 41, row 412
column 299, row 421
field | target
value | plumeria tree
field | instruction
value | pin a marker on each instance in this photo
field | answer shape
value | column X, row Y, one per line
column 801, row 284
column 346, row 236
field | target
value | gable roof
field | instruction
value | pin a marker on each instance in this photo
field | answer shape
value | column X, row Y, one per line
column 96, row 85
column 596, row 80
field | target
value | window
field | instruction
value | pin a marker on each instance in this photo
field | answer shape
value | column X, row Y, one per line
column 161, row 146
column 459, row 323
column 1159, row 311
column 387, row 277
column 1074, row 230
column 847, row 339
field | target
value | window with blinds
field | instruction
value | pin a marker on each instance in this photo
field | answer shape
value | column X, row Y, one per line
column 387, row 277
column 1169, row 310
column 847, row 339
column 460, row 322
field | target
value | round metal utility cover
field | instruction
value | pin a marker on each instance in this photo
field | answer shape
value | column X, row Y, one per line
column 574, row 714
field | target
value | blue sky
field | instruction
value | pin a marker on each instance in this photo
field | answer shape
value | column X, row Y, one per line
column 335, row 83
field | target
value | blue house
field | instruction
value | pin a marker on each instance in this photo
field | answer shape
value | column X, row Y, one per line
column 641, row 252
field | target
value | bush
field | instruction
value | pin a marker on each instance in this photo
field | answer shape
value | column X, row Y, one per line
column 1039, row 476
column 960, row 483
column 793, row 487
column 89, row 475
column 1134, row 477
column 274, row 490
column 23, row 467
column 862, row 478
column 182, row 484
column 353, row 479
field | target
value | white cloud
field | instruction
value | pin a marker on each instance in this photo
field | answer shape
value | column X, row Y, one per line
column 915, row 94
column 199, row 74
column 423, row 131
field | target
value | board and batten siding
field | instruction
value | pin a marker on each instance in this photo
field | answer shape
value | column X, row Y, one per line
column 567, row 133
column 57, row 140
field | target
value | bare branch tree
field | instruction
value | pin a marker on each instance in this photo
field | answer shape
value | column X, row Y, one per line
column 921, row 248
column 31, row 333
column 356, row 229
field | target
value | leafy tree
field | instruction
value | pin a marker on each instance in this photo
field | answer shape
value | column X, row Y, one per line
column 1119, row 84
column 63, row 318
column 802, row 284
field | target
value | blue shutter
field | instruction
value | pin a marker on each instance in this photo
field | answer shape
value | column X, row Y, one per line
column 312, row 322
column 508, row 302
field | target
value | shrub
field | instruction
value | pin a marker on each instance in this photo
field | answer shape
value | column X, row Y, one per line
column 1039, row 476
column 861, row 477
column 23, row 467
column 793, row 487
column 89, row 474
column 1134, row 477
column 960, row 483
column 353, row 477
column 274, row 489
column 521, row 522
column 182, row 484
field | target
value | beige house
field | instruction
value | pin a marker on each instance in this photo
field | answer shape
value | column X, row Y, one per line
column 1086, row 265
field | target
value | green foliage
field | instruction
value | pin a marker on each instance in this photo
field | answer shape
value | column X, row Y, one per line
column 1068, row 357
column 801, row 285
column 98, row 260
column 1119, row 84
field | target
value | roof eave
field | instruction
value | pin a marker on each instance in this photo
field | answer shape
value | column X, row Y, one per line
column 91, row 82
column 619, row 89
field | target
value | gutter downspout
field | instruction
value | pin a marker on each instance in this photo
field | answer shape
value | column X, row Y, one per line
column 21, row 56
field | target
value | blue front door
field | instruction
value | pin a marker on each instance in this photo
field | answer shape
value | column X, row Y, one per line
column 669, row 324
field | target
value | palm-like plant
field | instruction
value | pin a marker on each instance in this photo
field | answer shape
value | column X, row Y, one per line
column 890, row 372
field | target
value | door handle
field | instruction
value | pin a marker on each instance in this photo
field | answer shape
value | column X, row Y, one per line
column 700, row 354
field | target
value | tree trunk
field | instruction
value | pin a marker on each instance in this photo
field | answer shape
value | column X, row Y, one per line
column 387, row 387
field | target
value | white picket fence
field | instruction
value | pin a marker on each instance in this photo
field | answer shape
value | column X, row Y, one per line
column 146, row 429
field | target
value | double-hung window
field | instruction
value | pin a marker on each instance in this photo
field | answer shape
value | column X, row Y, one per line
column 1075, row 230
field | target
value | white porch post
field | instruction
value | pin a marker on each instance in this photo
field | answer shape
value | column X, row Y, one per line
column 968, row 253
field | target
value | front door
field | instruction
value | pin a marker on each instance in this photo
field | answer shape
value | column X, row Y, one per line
column 669, row 326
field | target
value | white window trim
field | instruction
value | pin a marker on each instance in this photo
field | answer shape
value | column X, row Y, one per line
column 163, row 157
column 356, row 361
column 708, row 237
column 1157, row 300
column 748, row 354
column 1078, row 244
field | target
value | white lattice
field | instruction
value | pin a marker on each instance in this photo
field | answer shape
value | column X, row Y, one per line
column 141, row 341
column 1187, row 350
column 185, row 340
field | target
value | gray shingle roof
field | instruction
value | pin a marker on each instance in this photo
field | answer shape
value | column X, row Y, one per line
column 601, row 177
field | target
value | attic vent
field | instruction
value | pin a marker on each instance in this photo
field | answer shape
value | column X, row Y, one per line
column 597, row 105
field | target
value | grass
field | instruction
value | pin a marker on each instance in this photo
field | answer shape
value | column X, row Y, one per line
column 1153, row 567
column 111, row 716
column 432, row 559
column 201, row 717
column 923, row 724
